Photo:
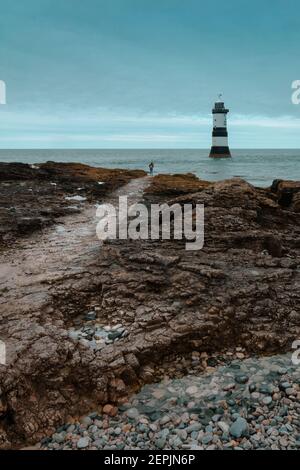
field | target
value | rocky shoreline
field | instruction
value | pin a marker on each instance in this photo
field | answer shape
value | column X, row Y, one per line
column 35, row 196
column 86, row 326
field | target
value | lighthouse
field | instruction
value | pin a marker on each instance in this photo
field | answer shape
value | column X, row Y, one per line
column 220, row 147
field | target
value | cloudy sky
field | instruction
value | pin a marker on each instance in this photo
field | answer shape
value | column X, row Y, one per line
column 145, row 73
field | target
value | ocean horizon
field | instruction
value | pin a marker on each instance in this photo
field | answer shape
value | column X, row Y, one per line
column 257, row 166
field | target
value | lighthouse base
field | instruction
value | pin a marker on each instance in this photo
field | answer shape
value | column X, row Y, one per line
column 220, row 152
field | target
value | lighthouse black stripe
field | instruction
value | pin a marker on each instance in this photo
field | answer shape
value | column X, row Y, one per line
column 220, row 111
column 220, row 132
column 216, row 151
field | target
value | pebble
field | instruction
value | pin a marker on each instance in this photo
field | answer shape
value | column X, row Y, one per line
column 228, row 387
column 223, row 426
column 255, row 395
column 240, row 355
column 207, row 438
column 110, row 410
column 132, row 413
column 96, row 336
column 83, row 443
column 192, row 390
column 239, row 428
column 193, row 427
column 90, row 316
column 241, row 379
column 198, row 411
column 267, row 400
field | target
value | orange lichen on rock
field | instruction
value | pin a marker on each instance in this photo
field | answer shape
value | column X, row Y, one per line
column 82, row 172
column 170, row 185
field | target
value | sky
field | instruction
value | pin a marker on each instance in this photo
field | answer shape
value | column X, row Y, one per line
column 145, row 73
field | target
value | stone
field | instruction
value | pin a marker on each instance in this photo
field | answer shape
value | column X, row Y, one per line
column 165, row 419
column 114, row 335
column 207, row 438
column 160, row 443
column 255, row 396
column 193, row 427
column 241, row 379
column 267, row 400
column 90, row 316
column 74, row 335
column 59, row 438
column 290, row 391
column 83, row 443
column 223, row 426
column 132, row 413
column 86, row 421
column 239, row 428
column 110, row 410
column 192, row 390
column 240, row 355
column 229, row 386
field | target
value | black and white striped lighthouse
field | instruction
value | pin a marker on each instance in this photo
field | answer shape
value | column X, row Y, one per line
column 219, row 147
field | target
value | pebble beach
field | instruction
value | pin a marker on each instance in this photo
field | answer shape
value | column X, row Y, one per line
column 236, row 404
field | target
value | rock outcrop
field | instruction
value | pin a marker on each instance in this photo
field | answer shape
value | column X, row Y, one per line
column 35, row 196
column 241, row 289
column 288, row 193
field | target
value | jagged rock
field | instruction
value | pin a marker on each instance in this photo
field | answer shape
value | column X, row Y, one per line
column 288, row 193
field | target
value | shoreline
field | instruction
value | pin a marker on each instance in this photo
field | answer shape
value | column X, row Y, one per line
column 252, row 165
column 240, row 291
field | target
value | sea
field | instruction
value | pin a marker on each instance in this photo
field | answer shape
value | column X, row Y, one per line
column 258, row 167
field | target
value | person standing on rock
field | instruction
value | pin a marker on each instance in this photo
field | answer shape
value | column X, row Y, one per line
column 151, row 168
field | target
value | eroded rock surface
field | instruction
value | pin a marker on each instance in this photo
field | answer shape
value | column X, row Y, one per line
column 35, row 196
column 242, row 289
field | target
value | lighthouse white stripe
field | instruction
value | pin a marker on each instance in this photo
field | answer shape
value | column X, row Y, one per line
column 220, row 120
column 220, row 142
